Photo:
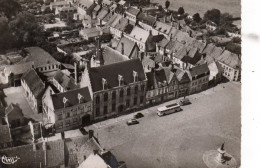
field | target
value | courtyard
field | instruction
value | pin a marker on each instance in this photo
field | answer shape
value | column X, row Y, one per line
column 15, row 95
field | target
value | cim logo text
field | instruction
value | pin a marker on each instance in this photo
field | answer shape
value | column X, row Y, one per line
column 9, row 160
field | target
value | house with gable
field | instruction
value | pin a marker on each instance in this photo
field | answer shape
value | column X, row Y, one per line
column 146, row 21
column 231, row 64
column 13, row 73
column 14, row 116
column 42, row 60
column 162, row 85
column 184, row 82
column 69, row 110
column 199, row 77
column 142, row 37
column 128, row 48
column 34, row 88
column 131, row 14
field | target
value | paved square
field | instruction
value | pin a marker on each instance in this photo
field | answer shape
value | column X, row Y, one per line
column 179, row 139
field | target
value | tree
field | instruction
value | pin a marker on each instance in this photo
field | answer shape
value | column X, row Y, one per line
column 9, row 8
column 213, row 15
column 196, row 17
column 167, row 4
column 25, row 28
column 6, row 38
column 181, row 11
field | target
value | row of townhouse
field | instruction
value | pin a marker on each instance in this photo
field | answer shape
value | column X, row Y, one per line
column 166, row 83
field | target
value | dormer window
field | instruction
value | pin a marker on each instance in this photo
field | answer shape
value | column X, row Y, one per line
column 104, row 83
column 120, row 80
column 80, row 98
column 65, row 102
column 135, row 75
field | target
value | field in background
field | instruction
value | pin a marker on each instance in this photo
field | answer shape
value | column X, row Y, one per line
column 201, row 6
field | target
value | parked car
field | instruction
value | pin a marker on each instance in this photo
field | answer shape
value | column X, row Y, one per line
column 83, row 131
column 138, row 115
column 184, row 102
column 132, row 122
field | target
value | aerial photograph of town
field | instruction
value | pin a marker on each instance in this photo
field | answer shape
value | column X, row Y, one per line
column 120, row 84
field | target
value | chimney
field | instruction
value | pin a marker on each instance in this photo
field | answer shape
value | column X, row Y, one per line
column 80, row 97
column 156, row 17
column 45, row 152
column 65, row 100
column 62, row 135
column 135, row 75
column 76, row 73
column 120, row 78
column 34, row 146
column 122, row 48
column 150, row 32
column 91, row 134
column 104, row 83
column 32, row 130
column 95, row 152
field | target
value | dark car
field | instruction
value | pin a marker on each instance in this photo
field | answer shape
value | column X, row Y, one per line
column 132, row 122
column 83, row 131
column 184, row 102
column 138, row 115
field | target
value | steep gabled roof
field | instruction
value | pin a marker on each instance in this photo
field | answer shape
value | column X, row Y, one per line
column 133, row 11
column 5, row 134
column 140, row 34
column 128, row 46
column 230, row 59
column 147, row 19
column 34, row 82
column 163, row 43
column 102, row 13
column 72, row 97
column 182, row 76
column 66, row 82
column 111, row 56
column 19, row 68
column 199, row 70
column 39, row 56
column 162, row 27
column 111, row 72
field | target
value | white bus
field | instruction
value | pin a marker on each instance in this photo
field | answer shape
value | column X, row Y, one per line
column 168, row 109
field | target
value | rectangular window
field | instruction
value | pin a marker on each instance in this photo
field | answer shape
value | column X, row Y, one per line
column 136, row 89
column 60, row 125
column 128, row 91
column 59, row 116
column 113, row 107
column 105, row 97
column 67, row 122
column 97, row 112
column 127, row 103
column 67, row 115
column 135, row 101
column 105, row 109
column 142, row 87
column 114, row 95
column 141, row 99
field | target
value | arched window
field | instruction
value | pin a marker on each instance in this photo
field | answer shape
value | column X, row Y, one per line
column 97, row 100
column 121, row 93
column 114, row 95
column 128, row 91
column 105, row 97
